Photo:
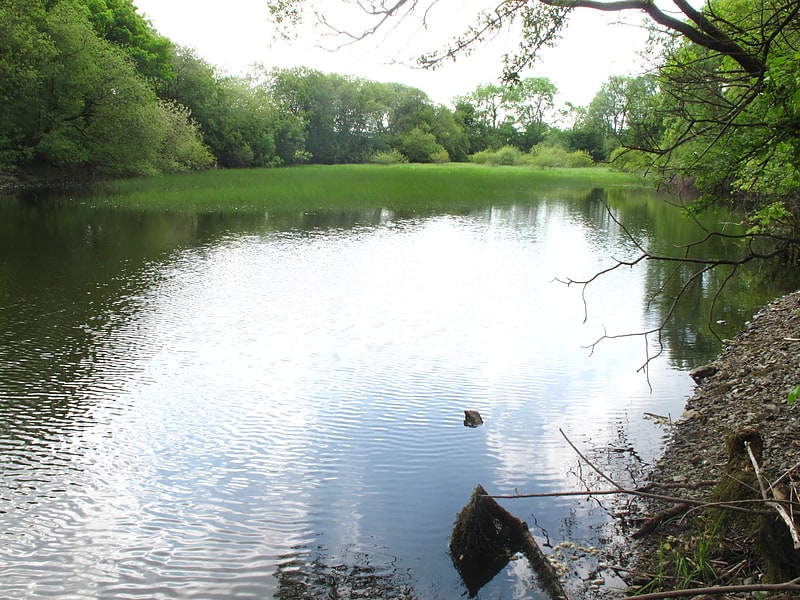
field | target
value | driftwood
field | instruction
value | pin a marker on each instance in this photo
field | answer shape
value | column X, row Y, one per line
column 486, row 536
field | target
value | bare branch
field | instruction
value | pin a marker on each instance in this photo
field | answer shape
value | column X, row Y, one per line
column 779, row 508
column 704, row 265
column 704, row 34
column 789, row 586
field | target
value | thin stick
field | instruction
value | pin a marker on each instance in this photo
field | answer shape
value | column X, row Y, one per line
column 640, row 490
column 721, row 590
column 588, row 462
column 779, row 508
column 621, row 490
column 732, row 504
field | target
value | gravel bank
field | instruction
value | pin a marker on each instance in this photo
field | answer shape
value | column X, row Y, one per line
column 748, row 388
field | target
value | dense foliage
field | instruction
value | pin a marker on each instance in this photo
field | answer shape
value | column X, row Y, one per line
column 718, row 113
column 89, row 88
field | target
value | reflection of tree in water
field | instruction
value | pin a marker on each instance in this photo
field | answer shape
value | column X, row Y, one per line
column 713, row 302
column 317, row 577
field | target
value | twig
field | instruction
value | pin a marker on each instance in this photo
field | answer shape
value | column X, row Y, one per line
column 763, row 484
column 721, row 590
column 588, row 462
column 645, row 489
column 644, row 494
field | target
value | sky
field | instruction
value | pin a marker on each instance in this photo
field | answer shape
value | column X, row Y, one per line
column 236, row 34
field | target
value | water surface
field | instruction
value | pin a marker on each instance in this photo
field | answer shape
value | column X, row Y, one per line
column 259, row 405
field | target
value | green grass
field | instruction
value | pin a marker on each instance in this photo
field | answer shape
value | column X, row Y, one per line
column 314, row 188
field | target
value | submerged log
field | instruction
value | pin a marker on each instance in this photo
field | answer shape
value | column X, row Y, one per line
column 486, row 536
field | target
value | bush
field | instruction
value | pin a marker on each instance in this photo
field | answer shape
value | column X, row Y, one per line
column 508, row 156
column 419, row 145
column 440, row 156
column 387, row 157
column 505, row 156
column 541, row 156
column 484, row 157
column 547, row 156
column 578, row 160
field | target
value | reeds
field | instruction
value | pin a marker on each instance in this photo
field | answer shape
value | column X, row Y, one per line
column 314, row 188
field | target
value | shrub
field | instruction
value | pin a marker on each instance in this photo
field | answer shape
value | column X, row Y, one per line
column 419, row 145
column 440, row 156
column 541, row 156
column 301, row 157
column 387, row 157
column 578, row 160
column 548, row 156
column 484, row 157
column 508, row 156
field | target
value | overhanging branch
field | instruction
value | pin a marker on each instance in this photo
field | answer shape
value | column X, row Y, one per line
column 703, row 33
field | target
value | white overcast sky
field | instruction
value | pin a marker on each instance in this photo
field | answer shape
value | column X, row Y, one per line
column 234, row 34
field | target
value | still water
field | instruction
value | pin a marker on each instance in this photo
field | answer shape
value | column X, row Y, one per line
column 257, row 405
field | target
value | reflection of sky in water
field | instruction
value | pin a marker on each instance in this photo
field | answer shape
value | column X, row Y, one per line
column 286, row 394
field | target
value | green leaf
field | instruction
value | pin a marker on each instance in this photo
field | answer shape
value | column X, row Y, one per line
column 791, row 398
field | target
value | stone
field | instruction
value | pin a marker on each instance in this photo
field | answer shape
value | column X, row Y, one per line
column 704, row 372
column 472, row 418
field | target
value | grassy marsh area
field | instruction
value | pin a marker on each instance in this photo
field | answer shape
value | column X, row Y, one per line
column 405, row 187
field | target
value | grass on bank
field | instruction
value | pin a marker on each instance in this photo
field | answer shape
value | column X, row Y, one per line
column 314, row 188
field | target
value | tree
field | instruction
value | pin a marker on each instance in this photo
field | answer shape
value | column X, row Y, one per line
column 499, row 116
column 421, row 146
column 76, row 103
column 723, row 116
column 531, row 102
column 118, row 22
column 450, row 134
column 238, row 120
column 485, row 107
column 346, row 119
column 24, row 47
column 623, row 112
column 736, row 134
column 541, row 22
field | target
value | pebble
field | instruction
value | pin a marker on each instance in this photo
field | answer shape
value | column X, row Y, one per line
column 750, row 388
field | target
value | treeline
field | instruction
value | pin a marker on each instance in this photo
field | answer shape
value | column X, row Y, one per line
column 89, row 87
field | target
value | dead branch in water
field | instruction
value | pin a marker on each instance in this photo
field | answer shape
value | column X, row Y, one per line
column 680, row 505
column 640, row 492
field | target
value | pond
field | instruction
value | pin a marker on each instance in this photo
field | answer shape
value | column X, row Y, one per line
column 247, row 404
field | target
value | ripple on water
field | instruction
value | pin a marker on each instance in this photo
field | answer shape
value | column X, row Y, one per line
column 273, row 411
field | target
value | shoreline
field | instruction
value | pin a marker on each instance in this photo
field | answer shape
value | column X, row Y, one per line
column 745, row 386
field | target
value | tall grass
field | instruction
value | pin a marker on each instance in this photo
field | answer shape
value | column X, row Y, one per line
column 401, row 187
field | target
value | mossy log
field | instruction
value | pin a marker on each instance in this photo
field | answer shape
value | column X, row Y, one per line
column 486, row 536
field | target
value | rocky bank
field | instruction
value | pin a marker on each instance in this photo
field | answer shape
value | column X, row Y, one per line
column 746, row 386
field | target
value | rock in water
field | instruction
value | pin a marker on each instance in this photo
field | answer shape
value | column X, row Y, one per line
column 472, row 418
column 704, row 372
